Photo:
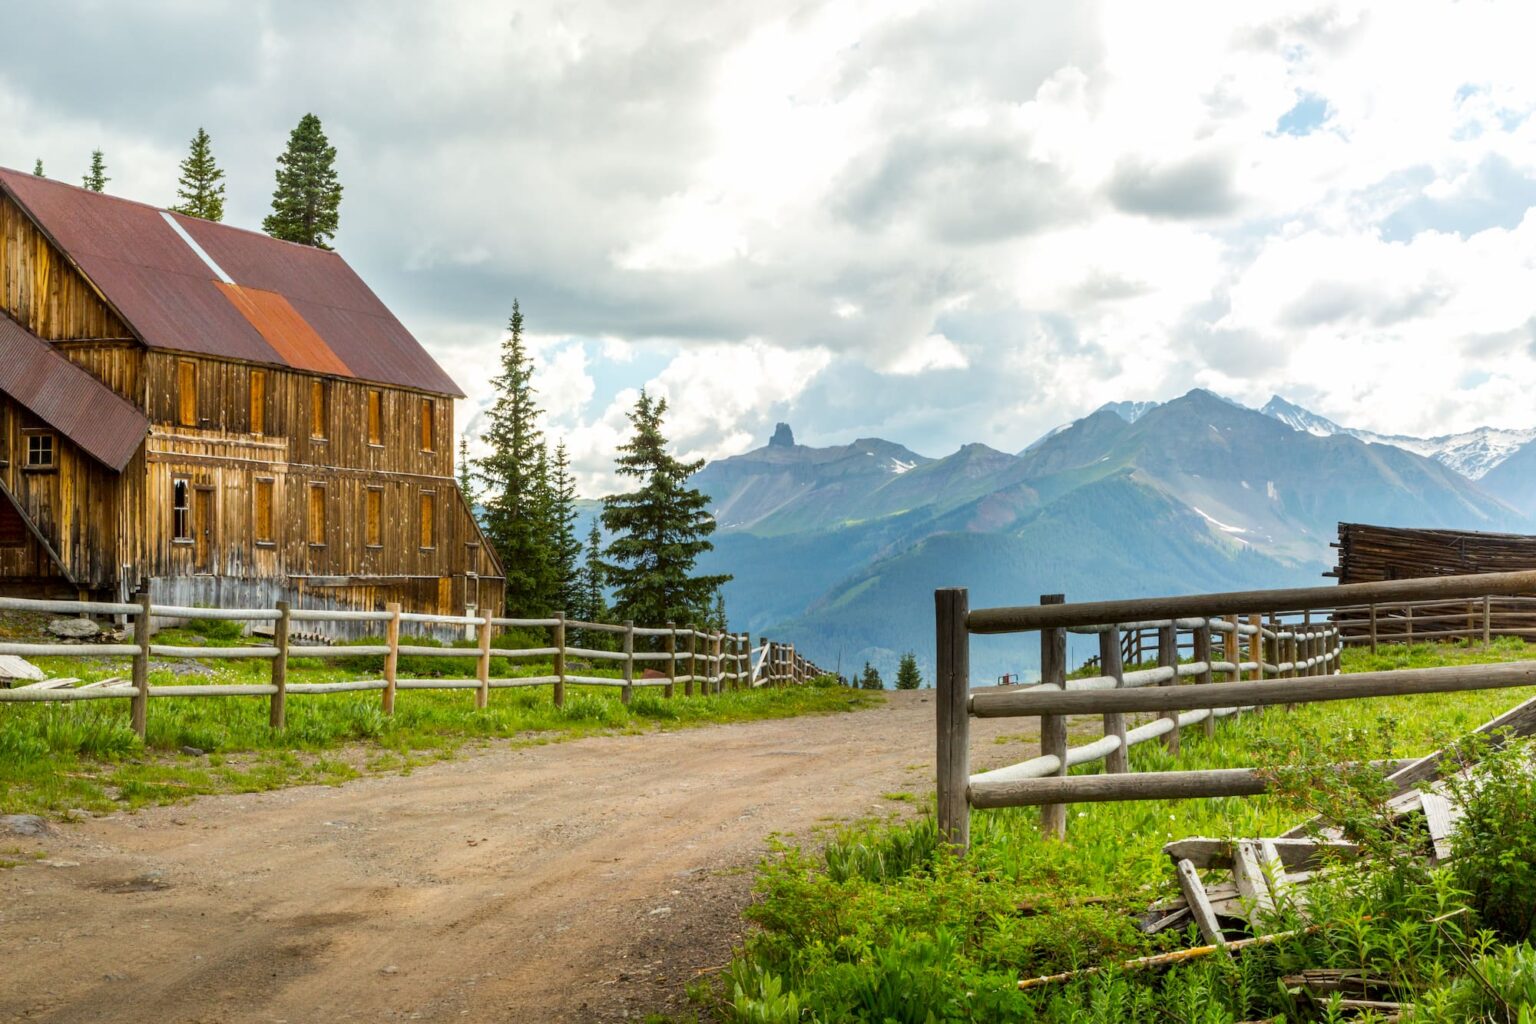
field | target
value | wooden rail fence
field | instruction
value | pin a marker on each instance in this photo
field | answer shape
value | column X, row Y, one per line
column 712, row 661
column 1272, row 653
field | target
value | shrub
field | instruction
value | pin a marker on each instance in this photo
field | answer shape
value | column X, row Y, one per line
column 217, row 629
column 1494, row 844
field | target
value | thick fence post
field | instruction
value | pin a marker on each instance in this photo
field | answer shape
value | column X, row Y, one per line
column 1487, row 620
column 483, row 665
column 559, row 645
column 392, row 656
column 671, row 658
column 1408, row 622
column 692, row 664
column 139, row 713
column 953, row 716
column 1053, row 728
column 1168, row 657
column 1110, row 663
column 628, row 693
column 1202, row 654
column 1256, row 648
column 277, row 715
column 718, row 645
column 1373, row 629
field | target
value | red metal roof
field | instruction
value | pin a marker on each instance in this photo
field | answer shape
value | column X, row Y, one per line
column 291, row 305
column 67, row 398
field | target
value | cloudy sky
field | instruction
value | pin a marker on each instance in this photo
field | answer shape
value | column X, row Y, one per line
column 931, row 222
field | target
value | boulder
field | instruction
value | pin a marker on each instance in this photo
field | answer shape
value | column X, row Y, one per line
column 73, row 629
column 22, row 825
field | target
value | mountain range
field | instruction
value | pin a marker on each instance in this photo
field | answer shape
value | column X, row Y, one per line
column 839, row 549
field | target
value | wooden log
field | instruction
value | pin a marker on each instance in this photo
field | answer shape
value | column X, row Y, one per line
column 953, row 680
column 1487, row 620
column 1109, row 788
column 1256, row 648
column 627, row 694
column 1199, row 906
column 671, row 659
column 1398, row 683
column 139, row 713
column 1203, row 657
column 558, row 639
column 483, row 663
column 1053, row 728
column 277, row 714
column 1168, row 657
column 1118, row 759
column 392, row 659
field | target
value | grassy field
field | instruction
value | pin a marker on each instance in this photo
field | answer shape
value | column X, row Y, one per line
column 880, row 926
column 83, row 756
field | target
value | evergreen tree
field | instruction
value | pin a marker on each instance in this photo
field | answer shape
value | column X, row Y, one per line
column 96, row 178
column 717, row 619
column 306, row 205
column 542, row 515
column 907, row 675
column 201, row 187
column 590, row 604
column 466, row 474
column 659, row 529
column 37, row 168
column 870, row 680
column 566, row 548
column 509, row 474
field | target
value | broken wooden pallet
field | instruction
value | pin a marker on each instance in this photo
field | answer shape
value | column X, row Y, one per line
column 1265, row 875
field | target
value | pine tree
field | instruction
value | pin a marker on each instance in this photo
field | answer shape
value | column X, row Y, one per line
column 542, row 514
column 870, row 680
column 201, row 187
column 465, row 474
column 907, row 675
column 590, row 604
column 508, row 474
column 566, row 548
column 306, row 205
column 37, row 168
column 659, row 529
column 96, row 178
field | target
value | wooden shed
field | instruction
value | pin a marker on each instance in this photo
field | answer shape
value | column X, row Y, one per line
column 229, row 418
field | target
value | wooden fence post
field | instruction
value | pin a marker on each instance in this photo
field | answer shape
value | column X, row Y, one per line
column 953, row 716
column 1053, row 728
column 671, row 658
column 1256, row 648
column 1373, row 629
column 559, row 645
column 139, row 713
column 628, row 693
column 718, row 645
column 692, row 665
column 1110, row 663
column 1487, row 620
column 483, row 665
column 1408, row 622
column 392, row 656
column 1168, row 657
column 1203, row 654
column 277, row 715
column 1233, row 645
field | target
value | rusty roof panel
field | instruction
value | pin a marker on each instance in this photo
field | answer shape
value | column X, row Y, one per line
column 285, row 330
column 67, row 398
column 171, row 297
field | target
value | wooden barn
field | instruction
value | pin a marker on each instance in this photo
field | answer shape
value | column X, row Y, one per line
column 1368, row 554
column 230, row 418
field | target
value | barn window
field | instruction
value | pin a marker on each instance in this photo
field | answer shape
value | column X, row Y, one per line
column 258, row 401
column 186, row 393
column 428, row 510
column 264, row 533
column 375, row 417
column 181, row 511
column 319, row 402
column 427, row 410
column 373, row 517
column 317, row 514
column 40, row 450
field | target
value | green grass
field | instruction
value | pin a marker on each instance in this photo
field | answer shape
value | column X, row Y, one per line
column 880, row 926
column 57, row 757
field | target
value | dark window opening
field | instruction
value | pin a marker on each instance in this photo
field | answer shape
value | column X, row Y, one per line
column 181, row 511
column 39, row 451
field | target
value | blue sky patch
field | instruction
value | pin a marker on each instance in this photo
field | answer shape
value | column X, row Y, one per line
column 1305, row 117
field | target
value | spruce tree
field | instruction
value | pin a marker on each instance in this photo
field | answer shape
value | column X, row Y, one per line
column 508, row 474
column 659, row 529
column 870, row 680
column 465, row 474
column 37, row 168
column 907, row 675
column 590, row 604
column 96, row 178
column 566, row 549
column 201, row 187
column 306, row 205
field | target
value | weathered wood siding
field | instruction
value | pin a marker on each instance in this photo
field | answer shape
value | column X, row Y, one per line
column 41, row 290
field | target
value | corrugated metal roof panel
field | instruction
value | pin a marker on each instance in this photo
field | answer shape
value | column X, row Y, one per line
column 284, row 329
column 171, row 298
column 67, row 398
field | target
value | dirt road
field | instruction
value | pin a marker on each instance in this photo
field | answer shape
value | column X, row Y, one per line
column 582, row 881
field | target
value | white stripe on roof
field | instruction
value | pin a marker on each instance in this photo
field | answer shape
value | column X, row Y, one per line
column 181, row 231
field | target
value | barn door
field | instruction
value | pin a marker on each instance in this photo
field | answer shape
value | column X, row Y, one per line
column 203, row 529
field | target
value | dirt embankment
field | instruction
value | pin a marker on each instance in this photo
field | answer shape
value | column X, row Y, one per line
column 582, row 881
